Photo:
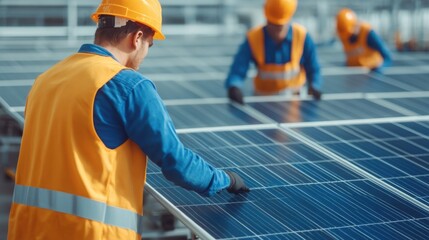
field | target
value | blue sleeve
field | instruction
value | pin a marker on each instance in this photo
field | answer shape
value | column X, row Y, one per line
column 238, row 70
column 375, row 42
column 311, row 64
column 138, row 113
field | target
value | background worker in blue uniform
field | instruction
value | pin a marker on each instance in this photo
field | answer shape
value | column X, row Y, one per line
column 284, row 54
column 91, row 124
column 362, row 46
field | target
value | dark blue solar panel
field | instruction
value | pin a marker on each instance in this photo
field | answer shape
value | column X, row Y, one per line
column 15, row 96
column 174, row 90
column 308, row 111
column 396, row 153
column 406, row 62
column 20, row 75
column 210, row 88
column 417, row 105
column 419, row 81
column 357, row 83
column 208, row 115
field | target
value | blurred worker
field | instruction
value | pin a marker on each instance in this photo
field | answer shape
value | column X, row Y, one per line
column 362, row 46
column 91, row 123
column 411, row 45
column 284, row 54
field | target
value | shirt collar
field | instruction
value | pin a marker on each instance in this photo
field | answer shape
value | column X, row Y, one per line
column 288, row 38
column 96, row 49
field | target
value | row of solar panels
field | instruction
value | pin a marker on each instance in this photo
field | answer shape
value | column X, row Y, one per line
column 198, row 103
column 339, row 181
column 354, row 165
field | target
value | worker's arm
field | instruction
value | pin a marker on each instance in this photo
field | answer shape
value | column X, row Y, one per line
column 238, row 72
column 312, row 68
column 137, row 113
column 375, row 42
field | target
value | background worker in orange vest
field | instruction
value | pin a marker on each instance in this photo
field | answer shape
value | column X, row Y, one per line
column 91, row 123
column 284, row 54
column 362, row 46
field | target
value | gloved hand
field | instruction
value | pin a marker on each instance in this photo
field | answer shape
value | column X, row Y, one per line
column 377, row 70
column 235, row 94
column 237, row 184
column 317, row 95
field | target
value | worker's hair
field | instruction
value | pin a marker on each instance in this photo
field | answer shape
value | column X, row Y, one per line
column 115, row 35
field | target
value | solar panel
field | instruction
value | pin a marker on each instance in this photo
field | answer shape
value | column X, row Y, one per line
column 326, row 110
column 15, row 96
column 417, row 104
column 418, row 80
column 175, row 90
column 19, row 75
column 356, row 83
column 303, row 193
column 394, row 152
column 209, row 115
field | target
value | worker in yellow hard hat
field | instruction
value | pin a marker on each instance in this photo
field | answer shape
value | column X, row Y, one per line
column 91, row 124
column 362, row 46
column 284, row 54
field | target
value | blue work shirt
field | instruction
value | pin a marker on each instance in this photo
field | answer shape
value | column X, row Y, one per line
column 275, row 53
column 129, row 107
column 375, row 42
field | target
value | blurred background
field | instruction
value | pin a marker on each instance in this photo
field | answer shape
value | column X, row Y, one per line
column 36, row 34
column 69, row 18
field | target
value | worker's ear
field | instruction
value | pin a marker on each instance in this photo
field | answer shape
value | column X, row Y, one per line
column 137, row 38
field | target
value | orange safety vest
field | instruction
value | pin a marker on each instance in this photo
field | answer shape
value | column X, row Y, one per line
column 359, row 53
column 271, row 77
column 69, row 185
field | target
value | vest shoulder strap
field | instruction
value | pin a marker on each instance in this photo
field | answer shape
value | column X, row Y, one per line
column 299, row 33
column 255, row 37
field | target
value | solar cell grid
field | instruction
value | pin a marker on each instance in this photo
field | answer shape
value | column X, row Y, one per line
column 209, row 115
column 356, row 83
column 418, row 105
column 417, row 80
column 310, row 196
column 305, row 111
column 393, row 152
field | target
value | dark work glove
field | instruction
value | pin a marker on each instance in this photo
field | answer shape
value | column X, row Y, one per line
column 234, row 93
column 317, row 95
column 377, row 70
column 237, row 184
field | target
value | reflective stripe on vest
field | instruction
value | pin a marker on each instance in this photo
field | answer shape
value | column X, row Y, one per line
column 78, row 206
column 355, row 52
column 282, row 76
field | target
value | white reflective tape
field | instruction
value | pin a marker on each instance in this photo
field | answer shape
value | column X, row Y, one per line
column 283, row 75
column 355, row 52
column 79, row 206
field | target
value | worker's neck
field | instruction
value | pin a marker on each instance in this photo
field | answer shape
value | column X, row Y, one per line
column 120, row 55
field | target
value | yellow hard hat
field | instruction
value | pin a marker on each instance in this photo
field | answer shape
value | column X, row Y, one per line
column 280, row 11
column 346, row 22
column 147, row 12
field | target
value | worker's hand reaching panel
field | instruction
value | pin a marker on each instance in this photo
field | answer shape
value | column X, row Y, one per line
column 317, row 95
column 237, row 184
column 235, row 95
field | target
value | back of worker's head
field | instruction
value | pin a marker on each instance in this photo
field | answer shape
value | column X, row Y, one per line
column 280, row 12
column 117, row 18
column 346, row 23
